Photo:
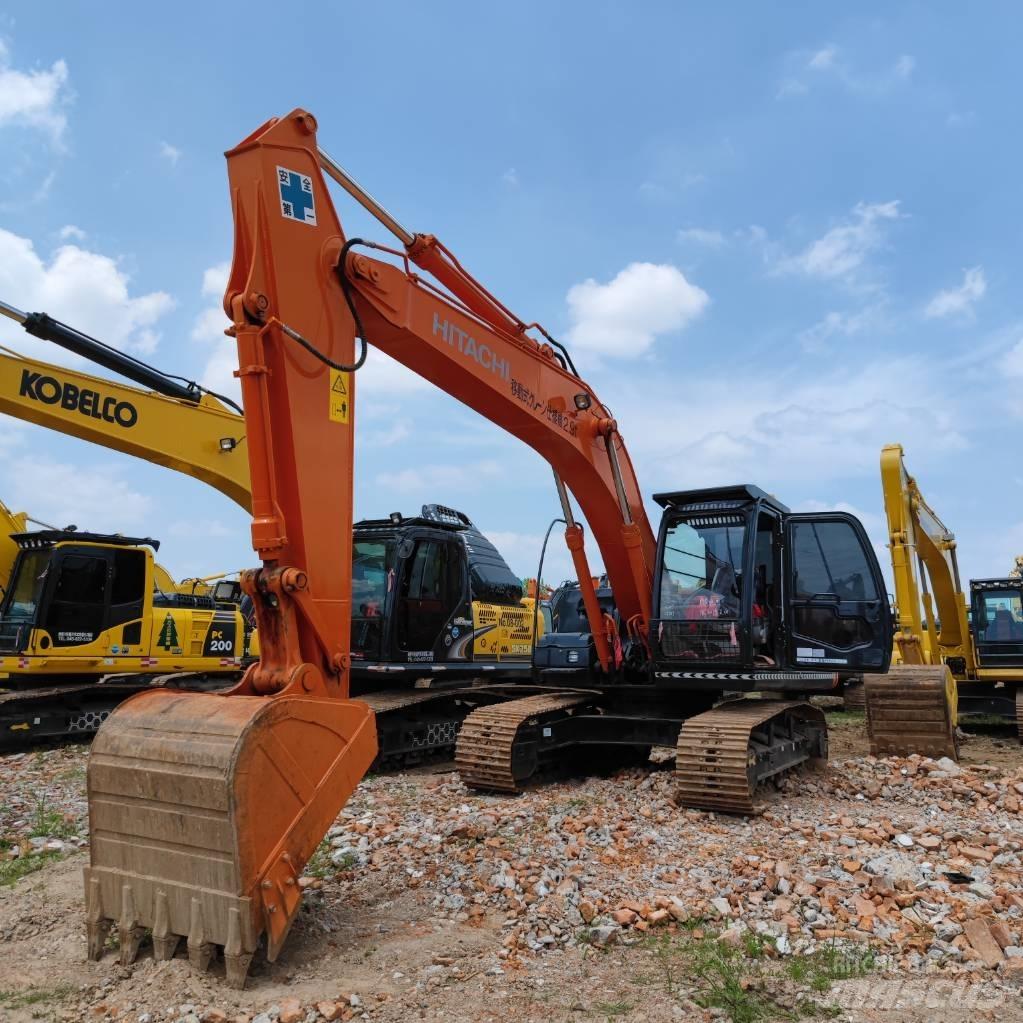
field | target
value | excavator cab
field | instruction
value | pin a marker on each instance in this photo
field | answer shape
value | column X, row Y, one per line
column 68, row 589
column 754, row 595
column 997, row 615
column 430, row 594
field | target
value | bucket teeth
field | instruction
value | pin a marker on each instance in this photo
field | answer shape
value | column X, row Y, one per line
column 129, row 930
column 200, row 951
column 165, row 943
column 236, row 961
column 97, row 925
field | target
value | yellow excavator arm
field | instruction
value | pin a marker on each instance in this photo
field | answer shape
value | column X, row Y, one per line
column 203, row 439
column 933, row 621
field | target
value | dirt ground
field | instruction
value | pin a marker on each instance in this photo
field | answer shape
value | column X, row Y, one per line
column 378, row 942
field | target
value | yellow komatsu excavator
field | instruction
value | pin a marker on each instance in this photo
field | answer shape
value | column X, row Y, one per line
column 959, row 653
column 437, row 608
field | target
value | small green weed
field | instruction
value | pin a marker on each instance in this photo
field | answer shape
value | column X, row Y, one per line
column 33, row 996
column 48, row 822
column 12, row 871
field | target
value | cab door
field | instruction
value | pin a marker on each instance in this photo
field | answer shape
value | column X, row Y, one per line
column 836, row 608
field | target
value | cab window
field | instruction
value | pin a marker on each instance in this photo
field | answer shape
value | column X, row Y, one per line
column 702, row 569
column 829, row 561
column 78, row 603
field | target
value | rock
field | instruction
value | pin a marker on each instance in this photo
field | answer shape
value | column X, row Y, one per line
column 731, row 937
column 949, row 766
column 587, row 911
column 263, row 1017
column 721, row 906
column 1012, row 971
column 603, row 936
column 979, row 936
column 214, row 1016
column 625, row 917
column 328, row 1010
column 929, row 842
column 1001, row 933
column 290, row 1011
column 906, row 841
column 783, row 945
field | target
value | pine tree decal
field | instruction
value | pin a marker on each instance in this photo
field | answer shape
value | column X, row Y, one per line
column 168, row 634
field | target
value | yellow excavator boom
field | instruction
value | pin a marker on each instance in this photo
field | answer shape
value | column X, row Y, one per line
column 204, row 439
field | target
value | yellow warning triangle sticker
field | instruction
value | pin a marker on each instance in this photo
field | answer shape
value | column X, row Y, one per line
column 338, row 387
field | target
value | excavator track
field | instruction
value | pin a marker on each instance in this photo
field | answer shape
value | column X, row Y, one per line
column 491, row 751
column 1019, row 713
column 912, row 709
column 725, row 753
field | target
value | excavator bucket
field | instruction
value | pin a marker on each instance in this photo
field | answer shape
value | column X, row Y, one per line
column 203, row 811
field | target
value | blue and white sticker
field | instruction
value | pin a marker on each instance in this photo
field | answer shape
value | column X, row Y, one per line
column 297, row 202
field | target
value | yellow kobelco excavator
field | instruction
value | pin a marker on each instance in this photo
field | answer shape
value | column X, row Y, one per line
column 437, row 608
column 959, row 654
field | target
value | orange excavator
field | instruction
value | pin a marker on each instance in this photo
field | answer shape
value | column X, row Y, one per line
column 205, row 807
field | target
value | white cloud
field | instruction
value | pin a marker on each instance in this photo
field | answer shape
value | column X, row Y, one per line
column 836, row 324
column 827, row 62
column 1012, row 362
column 86, row 289
column 701, row 236
column 511, row 178
column 786, row 427
column 432, row 482
column 69, row 231
column 904, row 66
column 34, row 99
column 959, row 301
column 170, row 153
column 623, row 317
column 822, row 59
column 841, row 252
column 214, row 280
column 99, row 499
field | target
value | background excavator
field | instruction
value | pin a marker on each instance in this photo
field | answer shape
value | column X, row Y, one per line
column 960, row 653
column 438, row 607
column 205, row 807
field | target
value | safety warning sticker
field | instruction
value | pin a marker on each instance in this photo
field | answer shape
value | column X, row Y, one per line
column 340, row 396
column 297, row 202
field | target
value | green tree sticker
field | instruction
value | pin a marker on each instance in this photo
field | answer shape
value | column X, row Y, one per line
column 168, row 634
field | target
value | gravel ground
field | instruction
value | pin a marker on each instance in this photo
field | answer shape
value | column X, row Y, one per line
column 873, row 889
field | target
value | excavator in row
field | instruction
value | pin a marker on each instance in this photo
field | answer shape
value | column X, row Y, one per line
column 959, row 652
column 437, row 608
column 204, row 807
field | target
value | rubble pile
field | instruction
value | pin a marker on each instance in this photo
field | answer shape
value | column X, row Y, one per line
column 914, row 861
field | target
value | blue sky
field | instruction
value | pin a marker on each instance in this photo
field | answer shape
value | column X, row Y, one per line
column 775, row 239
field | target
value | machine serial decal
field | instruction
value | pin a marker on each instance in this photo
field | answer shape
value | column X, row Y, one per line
column 297, row 201
column 93, row 404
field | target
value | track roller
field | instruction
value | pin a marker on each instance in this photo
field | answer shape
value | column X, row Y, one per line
column 725, row 753
column 498, row 746
column 913, row 709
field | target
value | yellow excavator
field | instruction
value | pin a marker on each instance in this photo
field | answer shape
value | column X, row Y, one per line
column 437, row 609
column 960, row 653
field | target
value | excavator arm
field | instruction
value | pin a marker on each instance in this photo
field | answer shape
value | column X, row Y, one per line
column 201, row 438
column 923, row 548
column 914, row 708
